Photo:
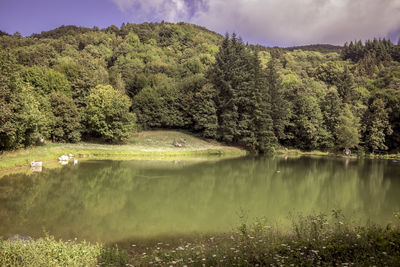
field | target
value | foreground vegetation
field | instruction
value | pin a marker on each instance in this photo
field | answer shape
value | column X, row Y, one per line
column 50, row 252
column 74, row 83
column 312, row 241
column 146, row 144
column 316, row 240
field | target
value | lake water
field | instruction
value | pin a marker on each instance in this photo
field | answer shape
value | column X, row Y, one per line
column 110, row 201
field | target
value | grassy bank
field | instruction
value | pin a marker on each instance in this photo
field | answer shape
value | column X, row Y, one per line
column 147, row 144
column 316, row 240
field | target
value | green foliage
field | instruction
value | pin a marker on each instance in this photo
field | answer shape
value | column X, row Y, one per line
column 205, row 112
column 27, row 123
column 46, row 80
column 331, row 108
column 80, row 79
column 242, row 98
column 50, row 252
column 66, row 125
column 159, row 106
column 40, row 54
column 377, row 126
column 307, row 128
column 383, row 50
column 259, row 96
column 107, row 114
column 24, row 115
column 347, row 129
column 280, row 107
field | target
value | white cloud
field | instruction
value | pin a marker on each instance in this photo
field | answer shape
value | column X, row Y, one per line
column 282, row 22
column 169, row 10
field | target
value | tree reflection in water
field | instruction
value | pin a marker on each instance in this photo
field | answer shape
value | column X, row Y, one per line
column 115, row 200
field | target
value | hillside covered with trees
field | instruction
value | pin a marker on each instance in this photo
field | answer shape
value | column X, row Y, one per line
column 74, row 83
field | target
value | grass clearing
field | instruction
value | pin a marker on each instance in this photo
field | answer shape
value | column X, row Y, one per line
column 147, row 144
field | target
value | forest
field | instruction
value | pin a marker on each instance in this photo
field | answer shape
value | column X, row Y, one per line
column 74, row 83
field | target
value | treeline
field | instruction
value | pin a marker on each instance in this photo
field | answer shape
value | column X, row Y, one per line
column 377, row 50
column 76, row 83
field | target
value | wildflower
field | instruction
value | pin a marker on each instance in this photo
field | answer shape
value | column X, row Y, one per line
column 358, row 236
column 214, row 255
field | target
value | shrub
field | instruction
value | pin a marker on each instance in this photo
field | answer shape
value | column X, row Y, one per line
column 107, row 114
column 49, row 252
column 66, row 119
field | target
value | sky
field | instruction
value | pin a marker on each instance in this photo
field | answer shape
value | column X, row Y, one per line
column 266, row 22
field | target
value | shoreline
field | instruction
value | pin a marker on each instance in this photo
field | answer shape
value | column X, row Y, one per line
column 127, row 155
column 296, row 152
column 144, row 145
column 19, row 160
column 315, row 239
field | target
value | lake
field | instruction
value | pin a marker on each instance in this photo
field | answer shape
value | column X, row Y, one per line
column 111, row 201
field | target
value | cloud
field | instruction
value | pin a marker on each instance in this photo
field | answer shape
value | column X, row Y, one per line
column 144, row 10
column 280, row 22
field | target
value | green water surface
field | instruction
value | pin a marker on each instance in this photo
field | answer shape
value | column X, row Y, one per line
column 110, row 201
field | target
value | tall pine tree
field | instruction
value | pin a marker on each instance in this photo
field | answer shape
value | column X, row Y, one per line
column 280, row 110
column 242, row 97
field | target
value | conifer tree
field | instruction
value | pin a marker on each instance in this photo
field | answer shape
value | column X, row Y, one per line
column 221, row 76
column 242, row 109
column 346, row 85
column 280, row 110
column 204, row 112
column 263, row 122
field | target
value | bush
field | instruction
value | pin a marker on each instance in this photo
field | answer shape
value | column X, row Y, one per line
column 66, row 119
column 107, row 114
column 49, row 252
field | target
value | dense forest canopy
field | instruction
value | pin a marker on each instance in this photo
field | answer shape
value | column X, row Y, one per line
column 75, row 83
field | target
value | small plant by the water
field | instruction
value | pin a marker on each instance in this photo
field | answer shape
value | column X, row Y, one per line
column 315, row 240
column 49, row 252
